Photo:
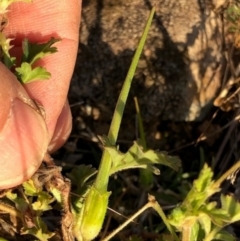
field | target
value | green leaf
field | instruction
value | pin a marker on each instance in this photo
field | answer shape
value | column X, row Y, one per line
column 231, row 206
column 43, row 198
column 205, row 222
column 204, row 180
column 177, row 217
column 218, row 216
column 40, row 231
column 30, row 189
column 202, row 189
column 35, row 51
column 136, row 157
column 56, row 193
column 32, row 52
column 80, row 177
column 20, row 203
column 224, row 235
column 42, row 203
column 26, row 74
column 196, row 208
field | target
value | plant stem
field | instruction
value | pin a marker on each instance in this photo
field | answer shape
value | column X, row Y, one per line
column 152, row 203
column 131, row 219
column 158, row 209
column 234, row 168
column 102, row 178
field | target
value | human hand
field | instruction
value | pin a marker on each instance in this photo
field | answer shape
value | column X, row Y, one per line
column 25, row 135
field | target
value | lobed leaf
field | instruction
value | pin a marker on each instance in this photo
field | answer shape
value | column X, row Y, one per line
column 202, row 189
column 26, row 74
column 30, row 189
column 40, row 231
column 219, row 217
column 80, row 177
column 232, row 207
column 42, row 203
column 197, row 208
column 35, row 51
column 20, row 203
column 137, row 157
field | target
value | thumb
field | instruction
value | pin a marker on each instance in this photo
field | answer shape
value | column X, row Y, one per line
column 23, row 132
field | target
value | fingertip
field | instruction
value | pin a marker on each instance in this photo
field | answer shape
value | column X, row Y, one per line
column 62, row 130
column 23, row 133
column 23, row 143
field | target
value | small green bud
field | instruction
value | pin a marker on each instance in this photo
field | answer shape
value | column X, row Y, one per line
column 93, row 214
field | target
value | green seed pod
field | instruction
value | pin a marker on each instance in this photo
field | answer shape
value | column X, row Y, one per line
column 93, row 214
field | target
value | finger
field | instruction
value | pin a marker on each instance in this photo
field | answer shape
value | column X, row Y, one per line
column 62, row 129
column 23, row 133
column 38, row 21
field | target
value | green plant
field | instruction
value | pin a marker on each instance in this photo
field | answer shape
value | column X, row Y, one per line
column 89, row 209
column 196, row 218
column 31, row 52
column 89, row 221
column 199, row 218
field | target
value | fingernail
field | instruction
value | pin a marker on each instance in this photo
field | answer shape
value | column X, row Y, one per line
column 23, row 143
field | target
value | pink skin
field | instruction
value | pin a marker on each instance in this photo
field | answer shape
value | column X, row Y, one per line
column 25, row 136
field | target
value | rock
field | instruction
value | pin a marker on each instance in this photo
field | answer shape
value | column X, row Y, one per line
column 179, row 73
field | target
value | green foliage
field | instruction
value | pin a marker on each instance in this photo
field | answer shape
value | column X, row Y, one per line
column 81, row 178
column 199, row 218
column 5, row 46
column 93, row 211
column 31, row 209
column 196, row 218
column 26, row 74
column 89, row 209
column 137, row 157
column 32, row 52
column 39, row 230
